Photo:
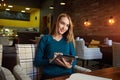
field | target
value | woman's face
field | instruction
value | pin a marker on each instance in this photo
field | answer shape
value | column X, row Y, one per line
column 63, row 25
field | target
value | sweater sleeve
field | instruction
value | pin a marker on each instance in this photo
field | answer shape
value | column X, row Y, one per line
column 39, row 60
column 72, row 52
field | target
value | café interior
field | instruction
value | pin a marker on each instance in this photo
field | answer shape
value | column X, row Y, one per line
column 96, row 31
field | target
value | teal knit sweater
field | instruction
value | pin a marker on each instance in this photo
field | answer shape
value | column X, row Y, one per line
column 46, row 48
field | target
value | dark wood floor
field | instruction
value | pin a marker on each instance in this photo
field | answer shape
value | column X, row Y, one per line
column 93, row 65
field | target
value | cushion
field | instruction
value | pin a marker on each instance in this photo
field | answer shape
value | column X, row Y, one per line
column 94, row 43
column 20, row 74
column 2, row 76
column 81, row 69
column 7, row 73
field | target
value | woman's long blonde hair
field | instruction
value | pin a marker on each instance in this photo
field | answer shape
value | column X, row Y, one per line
column 69, row 35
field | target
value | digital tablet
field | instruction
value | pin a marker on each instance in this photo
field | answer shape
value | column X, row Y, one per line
column 68, row 58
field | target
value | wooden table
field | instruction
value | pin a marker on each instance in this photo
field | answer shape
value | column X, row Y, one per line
column 113, row 73
column 107, row 54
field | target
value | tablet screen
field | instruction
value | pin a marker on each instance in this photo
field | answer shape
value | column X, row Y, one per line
column 68, row 58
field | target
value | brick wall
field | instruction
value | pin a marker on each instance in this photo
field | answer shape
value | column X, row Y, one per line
column 97, row 12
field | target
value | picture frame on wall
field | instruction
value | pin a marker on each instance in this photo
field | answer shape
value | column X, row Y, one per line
column 14, row 15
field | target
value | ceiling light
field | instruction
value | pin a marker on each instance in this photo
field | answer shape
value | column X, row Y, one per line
column 62, row 3
column 2, row 3
column 51, row 7
column 23, row 11
column 10, row 6
column 27, row 8
column 7, row 9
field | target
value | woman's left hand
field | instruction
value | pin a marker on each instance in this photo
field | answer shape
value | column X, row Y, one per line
column 63, row 62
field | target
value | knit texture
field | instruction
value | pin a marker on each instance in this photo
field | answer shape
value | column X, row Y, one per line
column 45, row 51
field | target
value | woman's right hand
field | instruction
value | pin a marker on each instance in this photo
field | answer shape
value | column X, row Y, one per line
column 62, row 62
column 55, row 55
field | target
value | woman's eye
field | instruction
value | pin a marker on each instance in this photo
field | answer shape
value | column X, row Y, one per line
column 67, row 25
column 64, row 24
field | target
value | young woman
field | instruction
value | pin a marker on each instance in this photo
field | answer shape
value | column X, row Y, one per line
column 60, row 41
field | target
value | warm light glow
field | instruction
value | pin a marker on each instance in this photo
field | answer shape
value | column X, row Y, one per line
column 62, row 3
column 23, row 11
column 87, row 23
column 111, row 21
column 51, row 7
column 27, row 8
column 16, row 35
column 7, row 9
column 2, row 3
column 10, row 6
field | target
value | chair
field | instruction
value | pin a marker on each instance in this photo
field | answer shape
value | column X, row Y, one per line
column 1, row 52
column 5, row 74
column 5, row 41
column 25, row 58
column 116, row 54
column 84, row 53
column 19, row 73
column 25, row 53
column 81, row 69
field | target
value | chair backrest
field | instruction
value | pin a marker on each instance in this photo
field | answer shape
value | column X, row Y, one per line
column 116, row 54
column 4, row 40
column 80, row 45
column 83, row 52
column 26, row 53
column 1, row 52
column 19, row 73
column 7, row 74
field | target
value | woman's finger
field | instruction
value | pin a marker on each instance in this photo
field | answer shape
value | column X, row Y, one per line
column 59, row 62
column 67, row 64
